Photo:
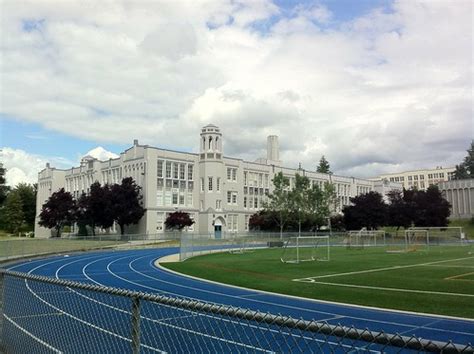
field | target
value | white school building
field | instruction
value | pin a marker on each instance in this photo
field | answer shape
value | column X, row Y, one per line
column 219, row 192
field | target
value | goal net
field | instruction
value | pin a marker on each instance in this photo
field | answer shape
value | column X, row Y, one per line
column 449, row 235
column 241, row 245
column 306, row 248
column 365, row 238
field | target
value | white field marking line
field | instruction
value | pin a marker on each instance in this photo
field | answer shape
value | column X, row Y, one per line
column 193, row 314
column 378, row 309
column 333, row 314
column 231, row 321
column 382, row 269
column 47, row 345
column 386, row 289
column 79, row 319
column 450, row 266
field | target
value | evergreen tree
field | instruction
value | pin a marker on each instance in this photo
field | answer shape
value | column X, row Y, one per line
column 13, row 216
column 4, row 189
column 27, row 194
column 323, row 166
column 466, row 168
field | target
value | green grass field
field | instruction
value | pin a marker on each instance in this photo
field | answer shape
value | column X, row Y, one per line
column 438, row 281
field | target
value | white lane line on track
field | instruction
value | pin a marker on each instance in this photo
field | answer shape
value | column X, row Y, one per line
column 37, row 315
column 47, row 345
column 79, row 319
column 232, row 321
column 186, row 330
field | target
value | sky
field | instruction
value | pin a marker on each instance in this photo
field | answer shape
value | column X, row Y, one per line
column 375, row 86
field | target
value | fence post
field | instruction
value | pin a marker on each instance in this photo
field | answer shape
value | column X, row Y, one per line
column 135, row 325
column 2, row 309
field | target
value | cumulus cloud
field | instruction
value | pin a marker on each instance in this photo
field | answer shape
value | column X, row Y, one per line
column 23, row 167
column 386, row 91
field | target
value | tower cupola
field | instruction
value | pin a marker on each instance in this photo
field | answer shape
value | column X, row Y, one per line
column 211, row 142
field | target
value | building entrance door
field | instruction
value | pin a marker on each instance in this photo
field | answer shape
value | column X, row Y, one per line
column 218, row 231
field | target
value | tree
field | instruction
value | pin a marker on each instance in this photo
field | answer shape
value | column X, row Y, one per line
column 298, row 199
column 126, row 203
column 178, row 221
column 95, row 209
column 278, row 200
column 431, row 208
column 466, row 168
column 400, row 209
column 58, row 210
column 319, row 203
column 27, row 194
column 4, row 189
column 323, row 166
column 13, row 213
column 367, row 210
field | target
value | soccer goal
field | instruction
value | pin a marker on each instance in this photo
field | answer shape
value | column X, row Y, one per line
column 365, row 238
column 241, row 245
column 449, row 235
column 306, row 248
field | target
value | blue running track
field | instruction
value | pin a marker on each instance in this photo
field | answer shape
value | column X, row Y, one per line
column 135, row 270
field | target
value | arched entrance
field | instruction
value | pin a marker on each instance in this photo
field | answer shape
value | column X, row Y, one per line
column 218, row 224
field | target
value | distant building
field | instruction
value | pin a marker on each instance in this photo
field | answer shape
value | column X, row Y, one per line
column 419, row 179
column 219, row 192
column 460, row 193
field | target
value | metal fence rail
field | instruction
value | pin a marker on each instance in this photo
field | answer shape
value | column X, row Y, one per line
column 46, row 315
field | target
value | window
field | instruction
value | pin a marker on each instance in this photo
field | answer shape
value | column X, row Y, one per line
column 175, row 184
column 415, row 178
column 175, row 170
column 182, row 171
column 190, row 199
column 245, row 202
column 218, row 184
column 181, row 199
column 190, row 172
column 229, row 197
column 218, row 204
column 159, row 168
column 159, row 183
column 168, row 169
column 255, row 203
column 234, row 174
column 202, row 184
column 175, row 198
column 210, row 184
column 234, row 198
column 229, row 173
column 245, row 178
column 409, row 178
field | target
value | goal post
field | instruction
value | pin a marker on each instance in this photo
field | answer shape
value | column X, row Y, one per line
column 446, row 235
column 240, row 244
column 359, row 239
column 306, row 248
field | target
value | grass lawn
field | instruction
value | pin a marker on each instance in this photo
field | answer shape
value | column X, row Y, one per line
column 439, row 281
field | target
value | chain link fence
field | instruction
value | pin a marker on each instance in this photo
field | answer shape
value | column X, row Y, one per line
column 46, row 315
column 28, row 247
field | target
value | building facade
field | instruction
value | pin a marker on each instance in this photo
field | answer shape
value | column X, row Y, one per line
column 420, row 179
column 460, row 194
column 219, row 192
